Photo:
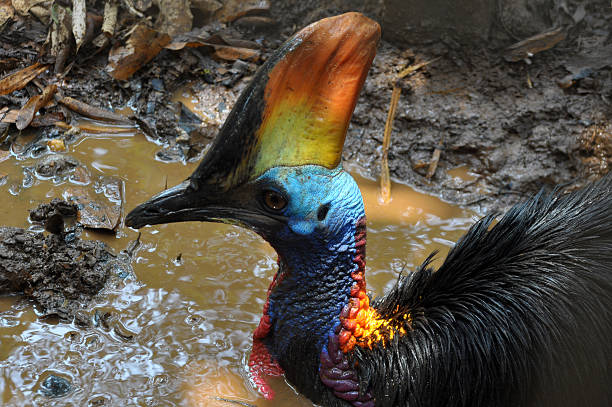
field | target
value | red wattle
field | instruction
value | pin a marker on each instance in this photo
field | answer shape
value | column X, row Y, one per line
column 261, row 363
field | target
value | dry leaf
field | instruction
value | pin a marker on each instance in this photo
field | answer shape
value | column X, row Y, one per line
column 229, row 49
column 10, row 116
column 197, row 37
column 230, row 53
column 95, row 212
column 79, row 25
column 36, row 102
column 142, row 46
column 7, row 12
column 206, row 7
column 255, row 21
column 92, row 112
column 47, row 119
column 43, row 13
column 233, row 9
column 20, row 79
column 532, row 45
column 174, row 17
column 24, row 6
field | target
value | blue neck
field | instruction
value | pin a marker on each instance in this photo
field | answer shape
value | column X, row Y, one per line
column 316, row 257
column 313, row 287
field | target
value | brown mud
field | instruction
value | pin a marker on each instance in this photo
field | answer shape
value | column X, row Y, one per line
column 517, row 125
column 58, row 270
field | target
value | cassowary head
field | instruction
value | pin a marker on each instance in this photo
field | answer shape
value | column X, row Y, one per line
column 275, row 165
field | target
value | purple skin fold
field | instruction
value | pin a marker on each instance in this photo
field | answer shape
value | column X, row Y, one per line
column 336, row 373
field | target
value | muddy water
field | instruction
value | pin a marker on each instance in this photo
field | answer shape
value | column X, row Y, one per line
column 194, row 300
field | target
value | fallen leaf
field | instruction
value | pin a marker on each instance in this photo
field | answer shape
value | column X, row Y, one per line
column 142, row 46
column 47, row 119
column 20, row 79
column 43, row 13
column 174, row 17
column 95, row 211
column 79, row 25
column 36, row 102
column 24, row 6
column 55, row 165
column 233, row 53
column 206, row 7
column 8, row 64
column 92, row 112
column 192, row 39
column 255, row 21
column 233, row 9
column 532, row 45
column 229, row 49
column 7, row 12
column 598, row 59
column 10, row 116
column 112, row 188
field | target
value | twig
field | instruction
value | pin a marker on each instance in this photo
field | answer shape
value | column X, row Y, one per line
column 133, row 245
column 238, row 402
column 385, row 182
column 110, row 18
column 129, row 4
column 435, row 158
column 93, row 112
column 413, row 68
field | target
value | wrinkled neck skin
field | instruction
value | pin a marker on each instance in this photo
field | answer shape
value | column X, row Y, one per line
column 316, row 259
column 313, row 286
column 317, row 266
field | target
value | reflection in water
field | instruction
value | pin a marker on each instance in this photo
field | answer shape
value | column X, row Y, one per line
column 196, row 297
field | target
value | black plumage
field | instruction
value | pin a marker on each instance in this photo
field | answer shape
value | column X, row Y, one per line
column 519, row 314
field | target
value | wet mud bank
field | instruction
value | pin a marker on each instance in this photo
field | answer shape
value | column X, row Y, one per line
column 514, row 125
column 514, row 120
column 56, row 269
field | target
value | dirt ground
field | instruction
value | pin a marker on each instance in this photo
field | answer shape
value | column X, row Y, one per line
column 515, row 124
column 59, row 271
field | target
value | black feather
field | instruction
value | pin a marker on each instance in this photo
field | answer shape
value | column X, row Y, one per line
column 519, row 314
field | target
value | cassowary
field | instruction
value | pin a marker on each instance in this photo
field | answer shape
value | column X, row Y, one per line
column 519, row 313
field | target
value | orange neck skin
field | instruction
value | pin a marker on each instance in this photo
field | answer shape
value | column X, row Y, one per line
column 360, row 323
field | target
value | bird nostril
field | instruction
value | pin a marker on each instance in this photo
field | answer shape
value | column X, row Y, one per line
column 152, row 211
column 322, row 213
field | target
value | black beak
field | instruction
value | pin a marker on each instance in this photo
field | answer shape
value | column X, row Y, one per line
column 181, row 203
column 190, row 202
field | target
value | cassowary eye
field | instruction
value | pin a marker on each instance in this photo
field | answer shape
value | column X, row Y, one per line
column 274, row 201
